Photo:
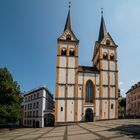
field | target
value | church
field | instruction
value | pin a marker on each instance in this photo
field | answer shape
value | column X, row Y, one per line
column 86, row 93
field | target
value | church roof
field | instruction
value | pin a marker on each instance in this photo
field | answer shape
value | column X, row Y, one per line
column 88, row 69
column 68, row 21
column 103, row 30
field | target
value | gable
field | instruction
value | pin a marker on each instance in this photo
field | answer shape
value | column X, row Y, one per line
column 107, row 40
column 68, row 35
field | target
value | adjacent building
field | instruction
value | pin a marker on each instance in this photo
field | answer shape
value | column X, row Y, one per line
column 133, row 101
column 86, row 93
column 38, row 108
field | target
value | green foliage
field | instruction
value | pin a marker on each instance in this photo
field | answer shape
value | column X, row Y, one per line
column 10, row 98
column 123, row 102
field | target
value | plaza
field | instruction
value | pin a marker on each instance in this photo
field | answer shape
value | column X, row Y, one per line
column 100, row 130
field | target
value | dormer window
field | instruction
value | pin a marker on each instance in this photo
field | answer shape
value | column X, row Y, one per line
column 72, row 53
column 104, row 55
column 108, row 42
column 112, row 57
column 68, row 37
column 63, row 52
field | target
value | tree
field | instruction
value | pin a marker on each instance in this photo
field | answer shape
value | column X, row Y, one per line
column 123, row 102
column 10, row 98
column 122, row 107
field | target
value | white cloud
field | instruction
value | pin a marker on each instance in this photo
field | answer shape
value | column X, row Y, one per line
column 123, row 91
column 121, row 83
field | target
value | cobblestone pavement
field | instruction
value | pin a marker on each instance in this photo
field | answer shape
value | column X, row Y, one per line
column 100, row 130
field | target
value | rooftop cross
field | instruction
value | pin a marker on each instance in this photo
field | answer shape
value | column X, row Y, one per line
column 102, row 11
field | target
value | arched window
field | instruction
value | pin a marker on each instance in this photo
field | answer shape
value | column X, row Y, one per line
column 108, row 42
column 89, row 91
column 105, row 56
column 68, row 37
column 112, row 57
column 72, row 53
column 63, row 52
column 112, row 106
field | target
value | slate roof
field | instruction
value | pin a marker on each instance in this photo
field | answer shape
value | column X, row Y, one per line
column 133, row 87
column 88, row 69
column 38, row 89
column 68, row 21
column 103, row 30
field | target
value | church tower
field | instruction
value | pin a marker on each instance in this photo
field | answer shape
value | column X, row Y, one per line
column 105, row 59
column 66, row 105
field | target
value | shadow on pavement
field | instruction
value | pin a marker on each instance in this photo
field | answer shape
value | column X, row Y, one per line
column 129, row 130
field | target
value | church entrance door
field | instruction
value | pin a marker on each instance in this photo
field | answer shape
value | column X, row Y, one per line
column 89, row 115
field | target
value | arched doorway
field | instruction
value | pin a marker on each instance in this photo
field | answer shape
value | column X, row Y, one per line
column 49, row 120
column 89, row 115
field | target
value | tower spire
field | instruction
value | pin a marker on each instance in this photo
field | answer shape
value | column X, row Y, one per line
column 68, row 20
column 102, row 31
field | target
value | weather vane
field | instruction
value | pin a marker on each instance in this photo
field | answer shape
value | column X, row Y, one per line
column 69, row 4
column 102, row 11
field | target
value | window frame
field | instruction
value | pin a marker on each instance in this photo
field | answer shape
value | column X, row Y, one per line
column 89, row 92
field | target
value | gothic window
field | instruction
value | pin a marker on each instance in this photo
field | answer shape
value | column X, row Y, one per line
column 89, row 92
column 72, row 53
column 68, row 37
column 104, row 55
column 108, row 42
column 111, row 57
column 63, row 52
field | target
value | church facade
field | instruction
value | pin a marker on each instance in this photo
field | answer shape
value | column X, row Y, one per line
column 86, row 93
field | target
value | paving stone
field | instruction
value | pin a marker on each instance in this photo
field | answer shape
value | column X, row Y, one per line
column 27, row 137
column 111, row 129
column 53, row 138
column 83, row 137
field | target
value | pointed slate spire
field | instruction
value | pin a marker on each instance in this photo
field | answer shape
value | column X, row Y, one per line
column 68, row 21
column 103, row 30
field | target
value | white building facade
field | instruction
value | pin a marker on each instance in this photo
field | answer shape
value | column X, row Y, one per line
column 37, row 105
column 86, row 93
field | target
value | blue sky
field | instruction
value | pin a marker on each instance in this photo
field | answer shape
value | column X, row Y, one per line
column 29, row 30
